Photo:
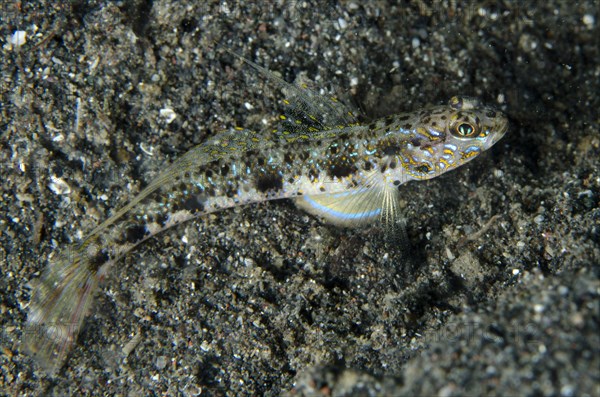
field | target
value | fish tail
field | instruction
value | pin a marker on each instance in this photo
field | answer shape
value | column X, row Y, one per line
column 60, row 301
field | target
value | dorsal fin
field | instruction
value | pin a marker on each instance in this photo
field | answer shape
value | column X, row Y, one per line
column 305, row 110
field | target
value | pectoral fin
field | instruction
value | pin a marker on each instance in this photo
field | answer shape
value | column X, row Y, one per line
column 354, row 207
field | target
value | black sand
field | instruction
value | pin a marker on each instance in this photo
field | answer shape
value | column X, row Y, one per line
column 498, row 295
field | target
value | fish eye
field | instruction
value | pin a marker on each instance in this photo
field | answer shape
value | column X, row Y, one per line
column 464, row 130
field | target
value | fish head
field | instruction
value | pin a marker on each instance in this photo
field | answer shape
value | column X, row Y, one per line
column 451, row 135
column 472, row 123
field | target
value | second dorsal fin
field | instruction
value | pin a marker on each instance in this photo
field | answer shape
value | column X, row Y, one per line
column 305, row 110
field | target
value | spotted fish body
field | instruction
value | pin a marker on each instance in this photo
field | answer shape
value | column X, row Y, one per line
column 319, row 156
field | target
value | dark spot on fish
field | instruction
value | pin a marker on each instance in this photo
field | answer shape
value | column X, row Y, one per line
column 134, row 233
column 194, row 204
column 161, row 219
column 423, row 168
column 404, row 118
column 392, row 165
column 224, row 169
column 391, row 149
column 208, row 173
column 98, row 259
column 368, row 166
column 341, row 169
column 407, row 126
column 230, row 192
column 396, row 183
column 288, row 158
column 416, row 142
column 270, row 181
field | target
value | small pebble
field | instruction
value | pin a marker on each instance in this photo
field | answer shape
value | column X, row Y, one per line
column 161, row 362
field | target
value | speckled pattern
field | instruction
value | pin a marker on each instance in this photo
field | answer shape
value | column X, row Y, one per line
column 349, row 174
column 498, row 293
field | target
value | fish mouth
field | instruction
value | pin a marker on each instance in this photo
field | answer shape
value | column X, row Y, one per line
column 502, row 128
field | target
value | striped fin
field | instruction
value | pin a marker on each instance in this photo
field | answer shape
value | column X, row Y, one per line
column 354, row 208
column 305, row 110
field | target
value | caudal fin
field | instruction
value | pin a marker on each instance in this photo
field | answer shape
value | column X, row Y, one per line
column 60, row 300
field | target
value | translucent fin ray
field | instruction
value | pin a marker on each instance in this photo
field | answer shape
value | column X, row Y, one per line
column 375, row 201
column 58, row 307
column 352, row 208
column 305, row 110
